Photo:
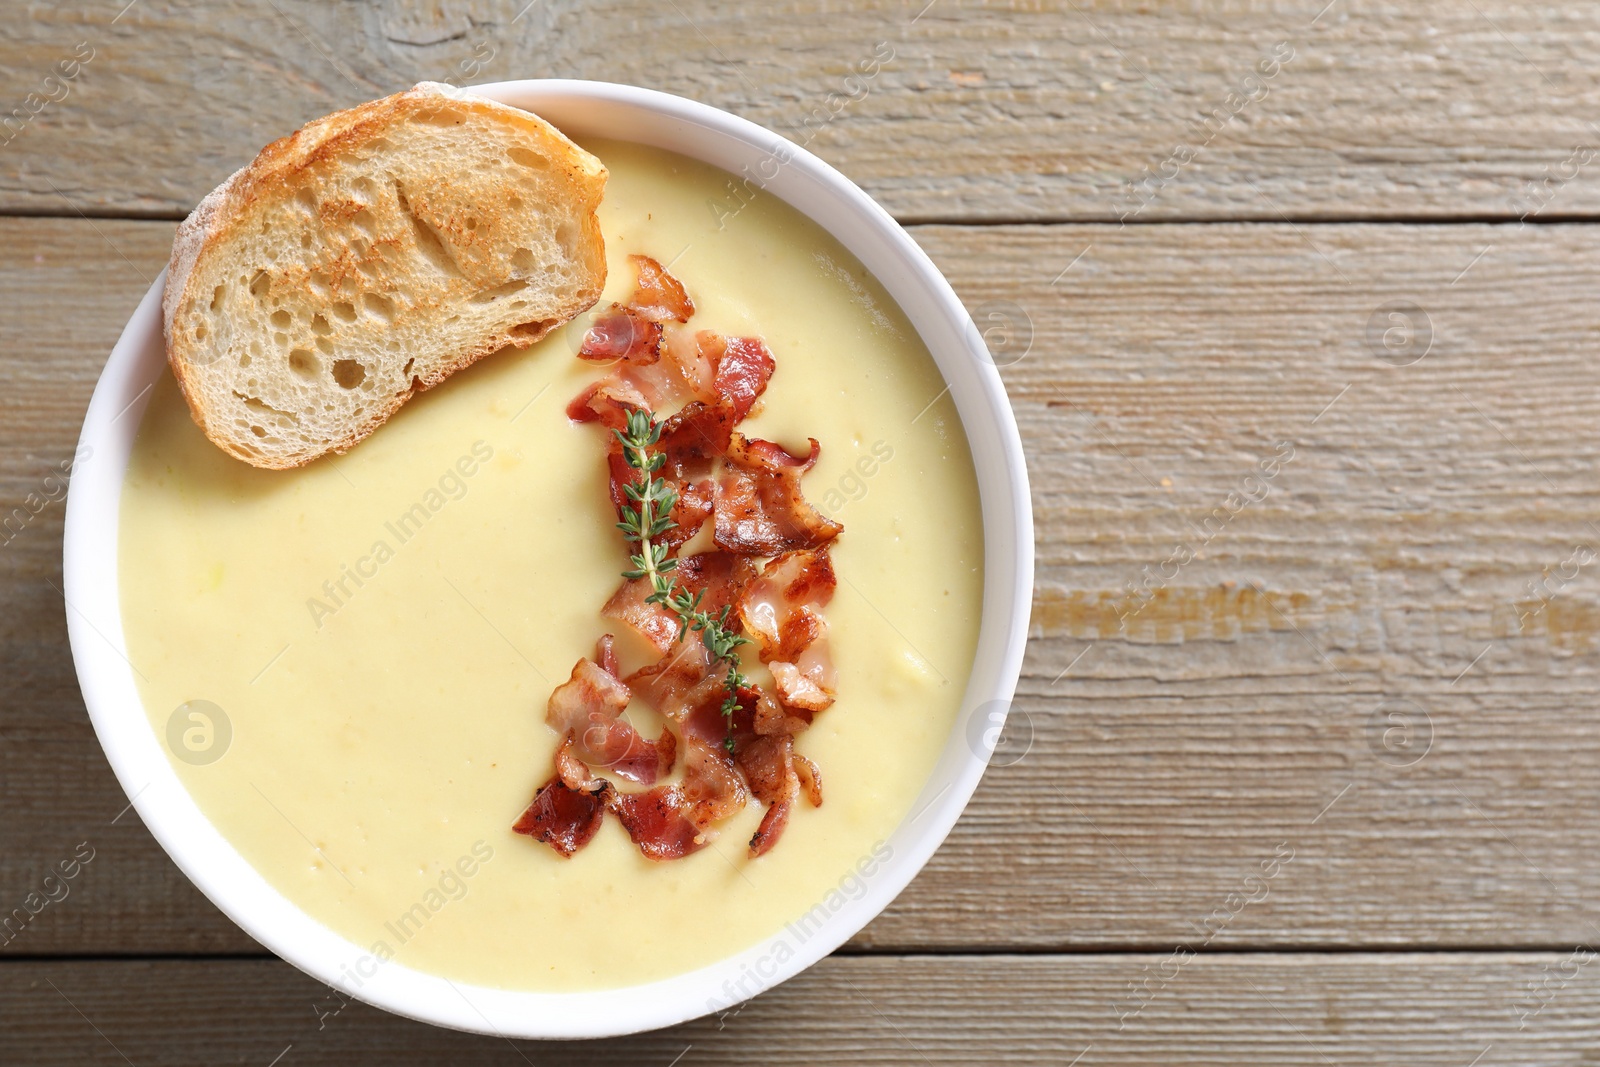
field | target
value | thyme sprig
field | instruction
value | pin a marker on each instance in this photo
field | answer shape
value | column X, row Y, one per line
column 644, row 521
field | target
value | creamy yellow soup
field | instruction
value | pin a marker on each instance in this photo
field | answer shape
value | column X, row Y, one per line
column 350, row 662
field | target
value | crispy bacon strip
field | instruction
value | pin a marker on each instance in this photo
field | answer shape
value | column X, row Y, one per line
column 782, row 610
column 759, row 508
column 703, row 718
column 667, row 684
column 651, row 621
column 562, row 818
column 659, row 364
column 596, row 404
column 776, row 773
column 690, row 512
column 671, row 821
column 719, row 578
column 587, row 706
column 743, row 367
column 686, row 372
column 715, row 379
column 621, row 334
column 683, row 687
column 768, row 765
column 738, row 369
column 573, row 772
column 683, row 372
column 803, row 691
column 568, row 809
column 712, row 788
column 605, row 655
column 658, row 822
column 691, row 441
column 772, row 826
column 774, row 716
column 658, row 295
column 810, row 779
column 694, row 438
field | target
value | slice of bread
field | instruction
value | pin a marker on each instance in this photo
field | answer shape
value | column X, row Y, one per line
column 369, row 256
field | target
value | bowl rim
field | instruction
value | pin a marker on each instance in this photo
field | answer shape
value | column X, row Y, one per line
column 90, row 577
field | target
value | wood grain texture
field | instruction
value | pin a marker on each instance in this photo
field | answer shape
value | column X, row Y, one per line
column 987, row 111
column 1401, row 572
column 1243, row 706
column 1423, row 1009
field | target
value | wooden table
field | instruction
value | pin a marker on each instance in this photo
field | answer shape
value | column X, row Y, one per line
column 1356, row 239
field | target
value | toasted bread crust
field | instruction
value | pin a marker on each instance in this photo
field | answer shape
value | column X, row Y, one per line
column 271, row 177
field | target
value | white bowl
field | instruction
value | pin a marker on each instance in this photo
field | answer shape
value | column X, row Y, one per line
column 582, row 109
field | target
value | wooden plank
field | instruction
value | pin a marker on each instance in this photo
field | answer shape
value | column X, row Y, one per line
column 1442, row 1009
column 1005, row 110
column 1234, row 713
column 1389, row 562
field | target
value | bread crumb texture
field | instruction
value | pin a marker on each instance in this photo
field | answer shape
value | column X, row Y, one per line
column 369, row 256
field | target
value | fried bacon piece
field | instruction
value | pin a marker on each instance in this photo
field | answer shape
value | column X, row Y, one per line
column 743, row 366
column 719, row 577
column 671, row 821
column 692, row 695
column 562, row 818
column 680, row 373
column 573, row 772
column 568, row 809
column 605, row 655
column 712, row 787
column 810, row 779
column 808, row 685
column 658, row 295
column 772, row 826
column 684, row 688
column 658, row 822
column 694, row 438
column 689, row 512
column 608, row 402
column 782, row 610
column 758, row 506
column 667, row 684
column 774, row 716
column 735, row 372
column 656, row 367
column 776, row 773
column 768, row 765
column 714, row 380
column 651, row 621
column 587, row 707
column 683, row 372
column 622, row 335
column 691, row 441
column 686, row 371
